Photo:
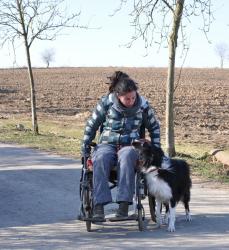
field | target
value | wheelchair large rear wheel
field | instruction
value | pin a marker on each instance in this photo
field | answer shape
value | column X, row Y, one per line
column 87, row 203
column 141, row 215
column 141, row 225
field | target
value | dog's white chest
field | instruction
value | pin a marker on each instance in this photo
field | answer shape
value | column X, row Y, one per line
column 158, row 187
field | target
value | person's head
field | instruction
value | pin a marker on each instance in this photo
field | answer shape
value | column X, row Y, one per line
column 124, row 87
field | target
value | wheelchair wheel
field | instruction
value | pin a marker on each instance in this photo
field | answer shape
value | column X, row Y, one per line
column 141, row 217
column 87, row 204
column 86, row 200
column 140, row 209
column 152, row 205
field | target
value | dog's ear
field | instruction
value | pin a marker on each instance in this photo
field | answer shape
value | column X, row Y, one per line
column 158, row 151
column 158, row 155
column 146, row 144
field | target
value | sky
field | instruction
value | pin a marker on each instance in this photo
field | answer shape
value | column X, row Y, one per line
column 104, row 43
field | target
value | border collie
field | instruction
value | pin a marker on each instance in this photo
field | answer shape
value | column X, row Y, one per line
column 168, row 183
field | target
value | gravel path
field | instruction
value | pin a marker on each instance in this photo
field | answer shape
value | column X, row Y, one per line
column 39, row 201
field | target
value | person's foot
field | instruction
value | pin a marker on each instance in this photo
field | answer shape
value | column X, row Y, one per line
column 98, row 213
column 122, row 211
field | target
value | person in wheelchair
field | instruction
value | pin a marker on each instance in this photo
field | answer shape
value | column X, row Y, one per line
column 120, row 116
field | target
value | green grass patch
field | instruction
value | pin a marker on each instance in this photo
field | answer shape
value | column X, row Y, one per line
column 64, row 137
column 201, row 162
column 55, row 136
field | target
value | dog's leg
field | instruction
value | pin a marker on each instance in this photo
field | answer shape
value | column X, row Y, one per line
column 166, row 218
column 152, row 206
column 188, row 215
column 172, row 216
column 158, row 213
column 187, row 211
column 186, row 200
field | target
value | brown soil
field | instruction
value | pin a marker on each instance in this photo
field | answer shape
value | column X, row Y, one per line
column 201, row 100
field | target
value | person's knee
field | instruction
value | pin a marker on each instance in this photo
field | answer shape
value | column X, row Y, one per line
column 127, row 153
column 99, row 157
column 104, row 161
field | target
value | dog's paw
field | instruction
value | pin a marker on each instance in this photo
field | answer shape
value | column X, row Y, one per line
column 158, row 225
column 188, row 217
column 171, row 228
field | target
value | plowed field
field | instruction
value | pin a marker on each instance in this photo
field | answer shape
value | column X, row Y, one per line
column 201, row 97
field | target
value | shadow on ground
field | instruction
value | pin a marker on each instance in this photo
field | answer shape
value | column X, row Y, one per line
column 31, row 197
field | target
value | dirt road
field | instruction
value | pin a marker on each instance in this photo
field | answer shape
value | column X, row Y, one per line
column 39, row 203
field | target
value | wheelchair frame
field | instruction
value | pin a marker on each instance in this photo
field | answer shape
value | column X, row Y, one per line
column 86, row 197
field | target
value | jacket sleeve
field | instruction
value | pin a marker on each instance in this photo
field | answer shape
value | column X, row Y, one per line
column 92, row 125
column 152, row 125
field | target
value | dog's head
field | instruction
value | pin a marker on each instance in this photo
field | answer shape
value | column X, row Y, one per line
column 148, row 155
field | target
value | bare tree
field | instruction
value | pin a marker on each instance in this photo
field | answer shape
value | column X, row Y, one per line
column 159, row 22
column 28, row 21
column 48, row 56
column 221, row 50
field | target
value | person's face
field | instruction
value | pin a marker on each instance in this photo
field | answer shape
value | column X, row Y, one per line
column 128, row 99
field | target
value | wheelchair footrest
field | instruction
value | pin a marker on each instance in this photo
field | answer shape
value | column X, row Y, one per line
column 94, row 220
column 130, row 217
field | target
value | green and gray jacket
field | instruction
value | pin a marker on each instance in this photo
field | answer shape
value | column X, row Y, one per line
column 121, row 125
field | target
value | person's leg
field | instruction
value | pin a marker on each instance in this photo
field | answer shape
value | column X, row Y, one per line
column 127, row 161
column 104, row 158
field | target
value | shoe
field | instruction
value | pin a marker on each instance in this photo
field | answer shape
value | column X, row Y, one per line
column 122, row 211
column 98, row 213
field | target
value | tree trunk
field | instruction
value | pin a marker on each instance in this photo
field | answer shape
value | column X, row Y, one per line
column 169, row 133
column 32, row 91
column 30, row 71
column 169, row 122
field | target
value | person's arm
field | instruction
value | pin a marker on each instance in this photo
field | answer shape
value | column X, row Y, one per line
column 92, row 125
column 152, row 125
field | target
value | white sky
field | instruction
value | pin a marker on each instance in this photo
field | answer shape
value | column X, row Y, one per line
column 105, row 46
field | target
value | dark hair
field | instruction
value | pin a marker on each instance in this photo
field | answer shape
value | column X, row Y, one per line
column 121, row 83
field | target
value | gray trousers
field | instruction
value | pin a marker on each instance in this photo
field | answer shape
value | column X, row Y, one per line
column 104, row 158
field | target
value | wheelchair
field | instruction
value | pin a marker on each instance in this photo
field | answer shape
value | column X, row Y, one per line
column 86, row 196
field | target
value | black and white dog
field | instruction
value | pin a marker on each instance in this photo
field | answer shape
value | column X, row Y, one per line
column 169, row 183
